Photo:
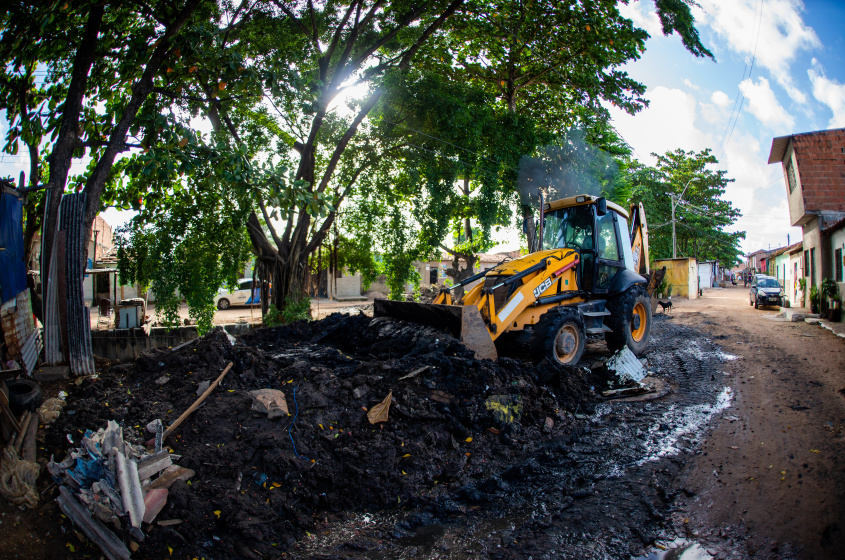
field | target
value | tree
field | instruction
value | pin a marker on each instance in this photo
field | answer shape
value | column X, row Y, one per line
column 329, row 48
column 701, row 213
column 451, row 159
column 557, row 63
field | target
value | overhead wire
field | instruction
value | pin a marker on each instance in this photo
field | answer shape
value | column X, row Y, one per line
column 726, row 137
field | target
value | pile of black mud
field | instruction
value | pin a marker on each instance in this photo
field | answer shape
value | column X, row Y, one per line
column 262, row 484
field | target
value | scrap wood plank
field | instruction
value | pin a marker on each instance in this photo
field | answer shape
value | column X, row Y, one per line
column 25, row 420
column 196, row 404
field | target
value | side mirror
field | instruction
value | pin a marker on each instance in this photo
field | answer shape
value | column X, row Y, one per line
column 601, row 206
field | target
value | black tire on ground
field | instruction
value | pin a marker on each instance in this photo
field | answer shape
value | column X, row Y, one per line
column 756, row 303
column 750, row 301
column 222, row 304
column 559, row 336
column 629, row 320
column 24, row 395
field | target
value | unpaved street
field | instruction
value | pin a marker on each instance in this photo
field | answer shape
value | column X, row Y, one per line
column 770, row 476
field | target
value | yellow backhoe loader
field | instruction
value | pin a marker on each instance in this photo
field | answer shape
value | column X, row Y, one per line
column 589, row 278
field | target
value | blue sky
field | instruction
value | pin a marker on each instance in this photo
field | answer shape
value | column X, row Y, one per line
column 779, row 70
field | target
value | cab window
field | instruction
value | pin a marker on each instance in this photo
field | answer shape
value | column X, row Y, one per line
column 569, row 227
column 246, row 285
column 608, row 246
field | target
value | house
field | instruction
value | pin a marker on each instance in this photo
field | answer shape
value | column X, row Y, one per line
column 796, row 265
column 757, row 260
column 708, row 274
column 834, row 238
column 784, row 264
column 681, row 278
column 814, row 175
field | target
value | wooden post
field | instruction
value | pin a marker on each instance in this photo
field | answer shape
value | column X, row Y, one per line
column 196, row 404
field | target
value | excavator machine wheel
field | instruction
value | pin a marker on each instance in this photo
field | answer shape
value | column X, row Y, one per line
column 630, row 320
column 559, row 336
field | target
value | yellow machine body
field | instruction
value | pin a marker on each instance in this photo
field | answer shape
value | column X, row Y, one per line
column 516, row 294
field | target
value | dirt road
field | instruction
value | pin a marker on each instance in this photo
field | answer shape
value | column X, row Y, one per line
column 769, row 480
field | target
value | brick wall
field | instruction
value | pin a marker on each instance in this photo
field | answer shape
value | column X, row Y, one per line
column 820, row 158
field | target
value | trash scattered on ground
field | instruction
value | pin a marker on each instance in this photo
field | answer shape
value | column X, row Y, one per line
column 107, row 480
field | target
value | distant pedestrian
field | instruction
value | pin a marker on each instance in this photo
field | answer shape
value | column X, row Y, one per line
column 744, row 280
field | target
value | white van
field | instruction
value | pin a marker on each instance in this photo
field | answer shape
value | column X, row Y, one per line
column 244, row 295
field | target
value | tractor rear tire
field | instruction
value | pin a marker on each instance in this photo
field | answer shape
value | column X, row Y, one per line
column 559, row 336
column 630, row 320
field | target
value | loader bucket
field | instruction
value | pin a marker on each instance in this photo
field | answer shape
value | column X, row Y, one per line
column 464, row 322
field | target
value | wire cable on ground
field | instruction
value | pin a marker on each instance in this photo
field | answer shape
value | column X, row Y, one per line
column 296, row 413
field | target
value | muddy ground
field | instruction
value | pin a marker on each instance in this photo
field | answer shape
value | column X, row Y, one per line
column 605, row 480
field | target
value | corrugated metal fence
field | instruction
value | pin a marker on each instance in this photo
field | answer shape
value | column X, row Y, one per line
column 64, row 304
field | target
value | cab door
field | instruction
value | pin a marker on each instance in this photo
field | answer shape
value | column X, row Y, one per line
column 609, row 257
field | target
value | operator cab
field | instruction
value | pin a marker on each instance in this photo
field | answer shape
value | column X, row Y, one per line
column 583, row 223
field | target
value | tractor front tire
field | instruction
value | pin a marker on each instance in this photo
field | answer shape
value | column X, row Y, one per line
column 630, row 320
column 559, row 336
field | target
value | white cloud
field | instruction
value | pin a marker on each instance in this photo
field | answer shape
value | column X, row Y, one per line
column 782, row 34
column 763, row 104
column 829, row 92
column 720, row 99
column 690, row 85
column 643, row 16
column 667, row 124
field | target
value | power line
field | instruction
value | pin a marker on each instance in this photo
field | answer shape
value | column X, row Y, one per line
column 723, row 145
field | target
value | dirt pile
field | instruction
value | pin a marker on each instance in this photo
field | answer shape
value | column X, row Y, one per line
column 261, row 484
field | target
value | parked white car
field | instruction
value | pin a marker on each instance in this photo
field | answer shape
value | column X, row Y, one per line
column 244, row 295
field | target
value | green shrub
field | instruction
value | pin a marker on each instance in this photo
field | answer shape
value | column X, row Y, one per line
column 293, row 311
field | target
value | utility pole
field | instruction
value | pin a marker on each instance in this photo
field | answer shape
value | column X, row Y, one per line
column 675, row 201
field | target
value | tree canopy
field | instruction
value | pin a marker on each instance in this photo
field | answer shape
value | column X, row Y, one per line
column 448, row 96
column 688, row 180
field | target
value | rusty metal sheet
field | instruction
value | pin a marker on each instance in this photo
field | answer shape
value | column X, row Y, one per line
column 17, row 323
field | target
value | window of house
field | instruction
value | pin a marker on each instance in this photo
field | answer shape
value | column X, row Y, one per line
column 806, row 260
column 790, row 175
column 837, row 259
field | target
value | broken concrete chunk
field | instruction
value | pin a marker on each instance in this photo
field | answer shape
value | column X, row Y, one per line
column 202, row 387
column 154, row 502
column 163, row 380
column 170, row 475
column 271, row 402
column 548, row 425
column 154, row 464
column 359, row 392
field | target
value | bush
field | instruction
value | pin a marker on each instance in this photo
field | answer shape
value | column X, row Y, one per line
column 293, row 311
